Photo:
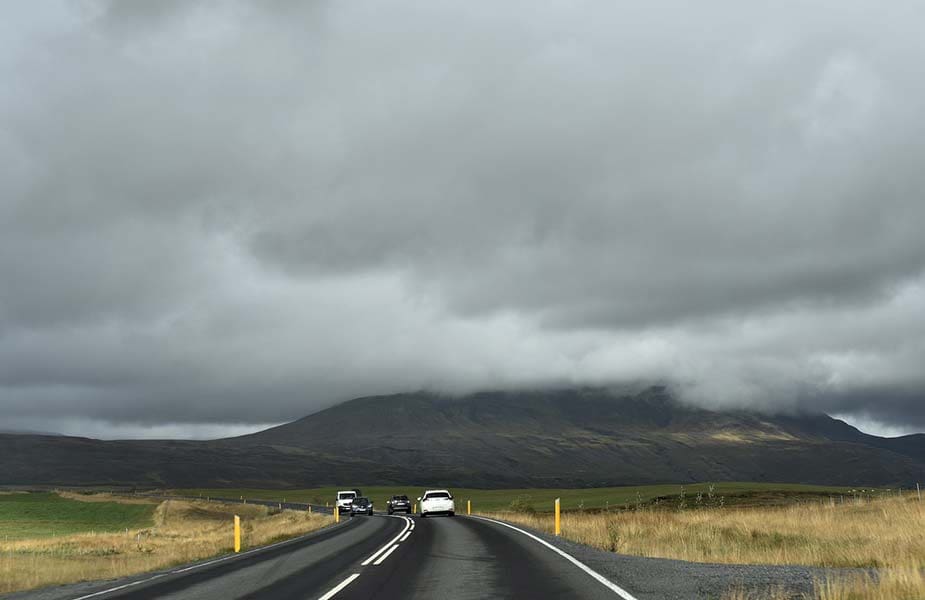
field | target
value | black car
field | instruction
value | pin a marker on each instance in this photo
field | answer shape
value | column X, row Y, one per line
column 361, row 505
column 399, row 504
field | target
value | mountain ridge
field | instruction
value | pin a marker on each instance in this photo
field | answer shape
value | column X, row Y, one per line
column 571, row 437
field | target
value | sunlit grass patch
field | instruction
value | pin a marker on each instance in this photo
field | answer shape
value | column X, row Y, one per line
column 175, row 532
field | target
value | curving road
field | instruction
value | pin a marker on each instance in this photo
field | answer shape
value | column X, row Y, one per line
column 377, row 557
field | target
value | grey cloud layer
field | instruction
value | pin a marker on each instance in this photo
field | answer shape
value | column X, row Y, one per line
column 236, row 212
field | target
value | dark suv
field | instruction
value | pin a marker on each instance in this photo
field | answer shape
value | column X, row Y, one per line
column 361, row 505
column 399, row 503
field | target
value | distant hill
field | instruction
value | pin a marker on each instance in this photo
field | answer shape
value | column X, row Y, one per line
column 26, row 432
column 546, row 438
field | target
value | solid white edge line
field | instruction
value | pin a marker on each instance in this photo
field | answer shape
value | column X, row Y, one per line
column 600, row 578
column 121, row 587
column 238, row 554
column 339, row 587
column 404, row 537
column 386, row 555
column 386, row 547
column 197, row 566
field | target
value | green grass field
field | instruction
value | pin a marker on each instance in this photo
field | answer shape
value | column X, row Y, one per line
column 46, row 514
column 542, row 499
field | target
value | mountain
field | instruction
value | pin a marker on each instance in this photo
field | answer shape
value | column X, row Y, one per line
column 543, row 438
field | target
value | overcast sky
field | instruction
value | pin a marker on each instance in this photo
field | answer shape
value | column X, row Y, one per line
column 220, row 215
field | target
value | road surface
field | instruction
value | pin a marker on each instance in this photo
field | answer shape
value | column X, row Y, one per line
column 381, row 557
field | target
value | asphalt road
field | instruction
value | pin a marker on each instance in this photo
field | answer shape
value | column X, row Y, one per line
column 378, row 557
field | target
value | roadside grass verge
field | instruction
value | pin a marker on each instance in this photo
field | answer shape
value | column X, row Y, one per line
column 178, row 532
column 882, row 533
column 893, row 584
column 877, row 533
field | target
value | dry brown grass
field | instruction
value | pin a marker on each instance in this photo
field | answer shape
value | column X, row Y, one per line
column 879, row 533
column 893, row 584
column 183, row 531
column 884, row 533
column 104, row 497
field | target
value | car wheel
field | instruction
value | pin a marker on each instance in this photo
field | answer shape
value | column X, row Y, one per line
column 423, row 515
column 452, row 514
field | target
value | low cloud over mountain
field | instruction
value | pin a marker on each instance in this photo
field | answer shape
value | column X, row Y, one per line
column 222, row 215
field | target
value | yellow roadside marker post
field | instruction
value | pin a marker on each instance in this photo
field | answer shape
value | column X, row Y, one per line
column 414, row 508
column 336, row 515
column 237, row 533
column 558, row 521
column 309, row 509
column 468, row 507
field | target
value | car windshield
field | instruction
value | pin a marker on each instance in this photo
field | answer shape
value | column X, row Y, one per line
column 362, row 501
column 437, row 495
column 345, row 495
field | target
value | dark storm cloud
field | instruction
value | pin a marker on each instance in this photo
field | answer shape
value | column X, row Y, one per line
column 236, row 212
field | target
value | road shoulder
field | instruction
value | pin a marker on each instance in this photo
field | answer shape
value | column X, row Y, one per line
column 669, row 579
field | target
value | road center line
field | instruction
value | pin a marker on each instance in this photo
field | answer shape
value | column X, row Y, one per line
column 408, row 522
column 339, row 587
column 594, row 574
column 386, row 555
column 404, row 537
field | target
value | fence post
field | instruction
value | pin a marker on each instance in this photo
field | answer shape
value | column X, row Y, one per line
column 237, row 533
column 558, row 519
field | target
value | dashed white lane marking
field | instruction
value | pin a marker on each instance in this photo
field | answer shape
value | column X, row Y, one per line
column 408, row 523
column 386, row 555
column 391, row 546
column 339, row 587
column 594, row 574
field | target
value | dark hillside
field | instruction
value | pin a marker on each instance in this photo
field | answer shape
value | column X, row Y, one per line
column 547, row 438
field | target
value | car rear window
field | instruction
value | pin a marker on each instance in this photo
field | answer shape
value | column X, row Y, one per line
column 437, row 495
column 399, row 497
column 345, row 495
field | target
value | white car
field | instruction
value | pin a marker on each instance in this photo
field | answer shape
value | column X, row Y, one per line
column 437, row 502
column 345, row 500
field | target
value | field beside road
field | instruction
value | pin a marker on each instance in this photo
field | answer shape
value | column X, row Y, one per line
column 873, row 531
column 47, row 514
column 588, row 499
column 47, row 538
